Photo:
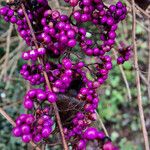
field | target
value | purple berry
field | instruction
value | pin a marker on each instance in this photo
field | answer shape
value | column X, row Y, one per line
column 46, row 131
column 91, row 133
column 17, row 131
column 25, row 129
column 52, row 98
column 28, row 104
column 27, row 138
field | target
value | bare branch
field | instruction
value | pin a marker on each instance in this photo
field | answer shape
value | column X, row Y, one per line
column 102, row 124
column 7, row 51
column 149, row 62
column 139, row 95
column 124, row 78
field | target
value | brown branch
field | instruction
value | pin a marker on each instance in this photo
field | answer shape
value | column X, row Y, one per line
column 139, row 95
column 12, row 41
column 43, row 147
column 8, row 104
column 142, row 11
column 137, row 8
column 47, row 82
column 149, row 62
column 7, row 117
column 143, row 78
column 11, row 121
column 141, row 24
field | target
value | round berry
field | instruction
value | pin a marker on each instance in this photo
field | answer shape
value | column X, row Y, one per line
column 52, row 97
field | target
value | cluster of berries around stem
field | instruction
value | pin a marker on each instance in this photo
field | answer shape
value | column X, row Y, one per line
column 61, row 39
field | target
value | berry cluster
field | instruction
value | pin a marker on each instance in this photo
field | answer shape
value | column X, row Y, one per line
column 125, row 54
column 89, row 134
column 37, row 96
column 54, row 38
column 34, row 54
column 62, row 31
column 32, row 73
column 106, row 19
column 32, row 128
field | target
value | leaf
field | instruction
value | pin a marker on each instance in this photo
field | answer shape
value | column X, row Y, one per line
column 127, row 66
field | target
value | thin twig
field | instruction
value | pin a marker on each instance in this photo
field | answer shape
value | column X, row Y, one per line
column 102, row 124
column 7, row 51
column 137, row 8
column 124, row 78
column 11, row 121
column 43, row 147
column 139, row 95
column 141, row 24
column 12, row 104
column 142, row 11
column 11, row 55
column 13, row 41
column 12, row 67
column 149, row 62
column 14, row 64
column 143, row 78
column 5, row 115
column 47, row 82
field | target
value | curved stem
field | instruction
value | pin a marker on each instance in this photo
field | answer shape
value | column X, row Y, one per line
column 124, row 78
column 102, row 124
column 47, row 81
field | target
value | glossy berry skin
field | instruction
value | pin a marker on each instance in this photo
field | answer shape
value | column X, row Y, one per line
column 91, row 133
column 73, row 3
column 37, row 138
column 41, row 51
column 41, row 95
column 100, row 135
column 17, row 132
column 81, row 145
column 52, row 97
column 67, row 63
column 30, row 120
column 25, row 56
column 46, row 132
column 25, row 129
column 22, row 117
column 28, row 104
column 26, row 138
column 71, row 33
column 32, row 93
column 3, row 11
column 72, row 43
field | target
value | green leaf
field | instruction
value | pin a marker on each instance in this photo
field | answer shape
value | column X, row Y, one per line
column 127, row 66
